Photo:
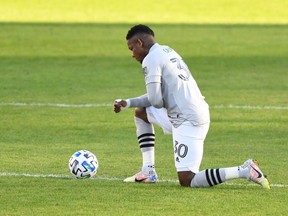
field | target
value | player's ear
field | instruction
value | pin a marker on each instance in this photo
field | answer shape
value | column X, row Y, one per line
column 140, row 42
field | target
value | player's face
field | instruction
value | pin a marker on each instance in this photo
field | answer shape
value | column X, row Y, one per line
column 137, row 49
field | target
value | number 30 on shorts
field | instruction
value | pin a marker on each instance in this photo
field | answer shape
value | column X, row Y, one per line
column 180, row 149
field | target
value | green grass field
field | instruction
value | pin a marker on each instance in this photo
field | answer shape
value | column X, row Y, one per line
column 63, row 64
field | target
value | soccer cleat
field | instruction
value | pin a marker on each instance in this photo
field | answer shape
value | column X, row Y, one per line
column 255, row 174
column 144, row 176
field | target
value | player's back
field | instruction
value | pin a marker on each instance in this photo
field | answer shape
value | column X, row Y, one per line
column 182, row 97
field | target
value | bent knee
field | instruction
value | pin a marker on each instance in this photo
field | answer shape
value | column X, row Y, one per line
column 185, row 178
column 140, row 112
column 185, row 183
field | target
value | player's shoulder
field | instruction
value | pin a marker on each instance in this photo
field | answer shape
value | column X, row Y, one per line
column 163, row 52
column 157, row 48
column 157, row 53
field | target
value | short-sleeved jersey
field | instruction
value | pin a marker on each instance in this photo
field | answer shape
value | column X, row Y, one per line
column 181, row 95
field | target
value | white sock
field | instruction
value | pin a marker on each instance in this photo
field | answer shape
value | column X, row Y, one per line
column 231, row 173
column 146, row 139
column 211, row 177
column 148, row 156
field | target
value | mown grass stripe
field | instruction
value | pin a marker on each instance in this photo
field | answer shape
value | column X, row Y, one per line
column 58, row 176
column 110, row 105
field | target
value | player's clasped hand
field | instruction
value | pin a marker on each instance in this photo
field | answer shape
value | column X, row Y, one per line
column 119, row 104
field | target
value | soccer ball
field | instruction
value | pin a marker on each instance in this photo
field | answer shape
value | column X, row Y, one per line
column 83, row 164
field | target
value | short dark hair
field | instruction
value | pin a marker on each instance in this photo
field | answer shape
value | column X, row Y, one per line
column 139, row 29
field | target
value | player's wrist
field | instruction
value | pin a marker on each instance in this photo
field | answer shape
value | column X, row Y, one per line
column 128, row 104
column 123, row 104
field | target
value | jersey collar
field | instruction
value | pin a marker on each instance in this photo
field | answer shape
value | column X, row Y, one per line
column 153, row 47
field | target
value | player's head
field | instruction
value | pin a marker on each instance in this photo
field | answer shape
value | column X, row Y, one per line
column 139, row 29
column 140, row 38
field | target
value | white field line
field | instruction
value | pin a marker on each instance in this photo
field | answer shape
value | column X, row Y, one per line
column 110, row 105
column 54, row 105
column 113, row 179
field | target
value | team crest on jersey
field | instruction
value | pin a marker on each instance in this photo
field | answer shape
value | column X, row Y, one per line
column 145, row 71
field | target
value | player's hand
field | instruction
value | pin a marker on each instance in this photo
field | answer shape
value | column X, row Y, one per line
column 119, row 105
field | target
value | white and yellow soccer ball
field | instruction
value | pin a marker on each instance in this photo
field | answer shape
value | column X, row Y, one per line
column 83, row 164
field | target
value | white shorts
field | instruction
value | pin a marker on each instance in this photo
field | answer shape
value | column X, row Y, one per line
column 160, row 118
column 188, row 140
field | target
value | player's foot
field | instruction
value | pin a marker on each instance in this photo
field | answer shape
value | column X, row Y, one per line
column 146, row 175
column 255, row 174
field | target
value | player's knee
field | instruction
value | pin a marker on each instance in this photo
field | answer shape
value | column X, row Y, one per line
column 141, row 113
column 184, row 184
column 185, row 178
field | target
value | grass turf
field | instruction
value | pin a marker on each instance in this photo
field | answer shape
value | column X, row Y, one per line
column 48, row 63
column 90, row 64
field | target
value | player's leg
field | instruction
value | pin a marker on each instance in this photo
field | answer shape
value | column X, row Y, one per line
column 145, row 135
column 249, row 170
column 146, row 139
column 144, row 120
column 188, row 142
column 188, row 151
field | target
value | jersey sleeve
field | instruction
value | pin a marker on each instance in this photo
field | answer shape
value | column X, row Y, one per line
column 155, row 94
column 152, row 70
column 153, row 74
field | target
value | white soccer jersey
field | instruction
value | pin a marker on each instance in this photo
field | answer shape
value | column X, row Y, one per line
column 181, row 95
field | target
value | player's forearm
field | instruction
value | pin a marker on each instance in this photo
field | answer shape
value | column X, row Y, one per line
column 141, row 101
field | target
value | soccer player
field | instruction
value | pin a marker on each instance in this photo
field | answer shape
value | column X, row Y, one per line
column 174, row 102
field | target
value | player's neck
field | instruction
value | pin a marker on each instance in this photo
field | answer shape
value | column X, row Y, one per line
column 149, row 45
